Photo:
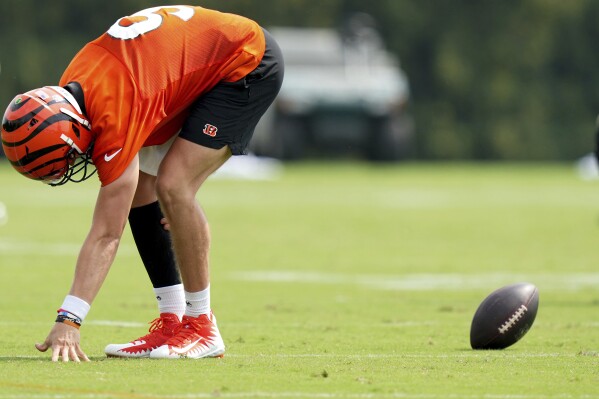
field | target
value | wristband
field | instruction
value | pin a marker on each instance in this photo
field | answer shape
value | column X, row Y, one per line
column 76, row 306
column 73, row 311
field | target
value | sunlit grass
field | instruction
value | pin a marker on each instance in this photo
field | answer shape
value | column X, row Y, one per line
column 334, row 280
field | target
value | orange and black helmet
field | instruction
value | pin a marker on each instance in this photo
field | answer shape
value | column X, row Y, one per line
column 46, row 137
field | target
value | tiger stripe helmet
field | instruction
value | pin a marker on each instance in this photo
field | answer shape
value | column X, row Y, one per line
column 46, row 137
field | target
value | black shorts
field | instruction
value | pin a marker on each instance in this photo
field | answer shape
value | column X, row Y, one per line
column 229, row 112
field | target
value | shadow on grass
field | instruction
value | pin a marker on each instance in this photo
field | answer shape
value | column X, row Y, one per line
column 47, row 359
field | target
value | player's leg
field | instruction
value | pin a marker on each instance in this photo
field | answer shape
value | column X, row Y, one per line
column 221, row 123
column 152, row 240
column 183, row 171
column 154, row 246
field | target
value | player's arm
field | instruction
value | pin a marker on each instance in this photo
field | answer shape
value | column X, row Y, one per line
column 100, row 246
column 96, row 257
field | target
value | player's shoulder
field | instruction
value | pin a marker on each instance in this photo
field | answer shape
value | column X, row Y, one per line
column 151, row 22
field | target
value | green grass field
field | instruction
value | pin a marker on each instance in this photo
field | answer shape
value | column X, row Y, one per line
column 334, row 281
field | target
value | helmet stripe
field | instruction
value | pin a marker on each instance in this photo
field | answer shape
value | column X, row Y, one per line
column 33, row 156
column 50, row 162
column 12, row 125
column 68, row 96
column 15, row 106
column 44, row 135
column 44, row 124
column 9, row 125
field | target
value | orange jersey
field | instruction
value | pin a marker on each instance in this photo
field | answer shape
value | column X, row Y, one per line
column 141, row 76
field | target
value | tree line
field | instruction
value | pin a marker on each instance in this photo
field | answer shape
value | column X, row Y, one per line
column 490, row 79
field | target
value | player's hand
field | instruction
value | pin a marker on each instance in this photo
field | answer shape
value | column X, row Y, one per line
column 165, row 224
column 64, row 341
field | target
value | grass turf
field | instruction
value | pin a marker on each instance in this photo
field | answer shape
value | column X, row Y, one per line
column 334, row 281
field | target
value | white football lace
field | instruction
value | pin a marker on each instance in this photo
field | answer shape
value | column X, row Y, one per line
column 512, row 320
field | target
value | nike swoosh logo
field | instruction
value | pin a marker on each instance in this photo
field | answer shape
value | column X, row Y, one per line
column 186, row 348
column 108, row 158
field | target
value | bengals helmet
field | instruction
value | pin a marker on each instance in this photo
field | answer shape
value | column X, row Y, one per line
column 46, row 137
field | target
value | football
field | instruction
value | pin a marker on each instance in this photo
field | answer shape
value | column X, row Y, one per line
column 504, row 316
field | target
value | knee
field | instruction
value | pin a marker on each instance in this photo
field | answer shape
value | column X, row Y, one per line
column 171, row 193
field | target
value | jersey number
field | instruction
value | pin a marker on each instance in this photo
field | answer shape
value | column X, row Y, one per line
column 146, row 21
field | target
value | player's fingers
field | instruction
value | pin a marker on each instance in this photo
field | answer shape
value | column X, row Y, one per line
column 73, row 354
column 42, row 347
column 165, row 225
column 65, row 354
column 55, row 353
column 82, row 354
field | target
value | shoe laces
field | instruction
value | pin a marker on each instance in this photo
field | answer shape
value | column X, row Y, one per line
column 158, row 326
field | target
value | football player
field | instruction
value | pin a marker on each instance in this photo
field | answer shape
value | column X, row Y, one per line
column 157, row 104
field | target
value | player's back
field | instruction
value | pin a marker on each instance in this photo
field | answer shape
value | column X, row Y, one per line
column 183, row 48
column 148, row 68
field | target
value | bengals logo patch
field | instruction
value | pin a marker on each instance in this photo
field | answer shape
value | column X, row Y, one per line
column 210, row 130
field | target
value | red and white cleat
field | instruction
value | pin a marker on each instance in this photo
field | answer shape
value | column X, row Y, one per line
column 197, row 337
column 161, row 330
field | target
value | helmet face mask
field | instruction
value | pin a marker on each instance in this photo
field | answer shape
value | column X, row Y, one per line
column 79, row 167
column 46, row 137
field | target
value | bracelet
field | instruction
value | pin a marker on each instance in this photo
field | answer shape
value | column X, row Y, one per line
column 68, row 318
column 64, row 312
column 68, row 321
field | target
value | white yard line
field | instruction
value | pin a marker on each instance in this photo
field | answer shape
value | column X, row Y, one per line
column 423, row 282
column 116, row 323
column 3, row 214
column 17, row 247
column 394, row 282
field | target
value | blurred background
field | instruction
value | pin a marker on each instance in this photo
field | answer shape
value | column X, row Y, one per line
column 378, row 80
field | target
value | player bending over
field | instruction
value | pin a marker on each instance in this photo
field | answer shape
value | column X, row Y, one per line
column 157, row 104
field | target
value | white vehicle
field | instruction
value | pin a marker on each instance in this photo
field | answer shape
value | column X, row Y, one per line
column 343, row 94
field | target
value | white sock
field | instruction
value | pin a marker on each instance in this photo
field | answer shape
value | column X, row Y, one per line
column 171, row 299
column 197, row 302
